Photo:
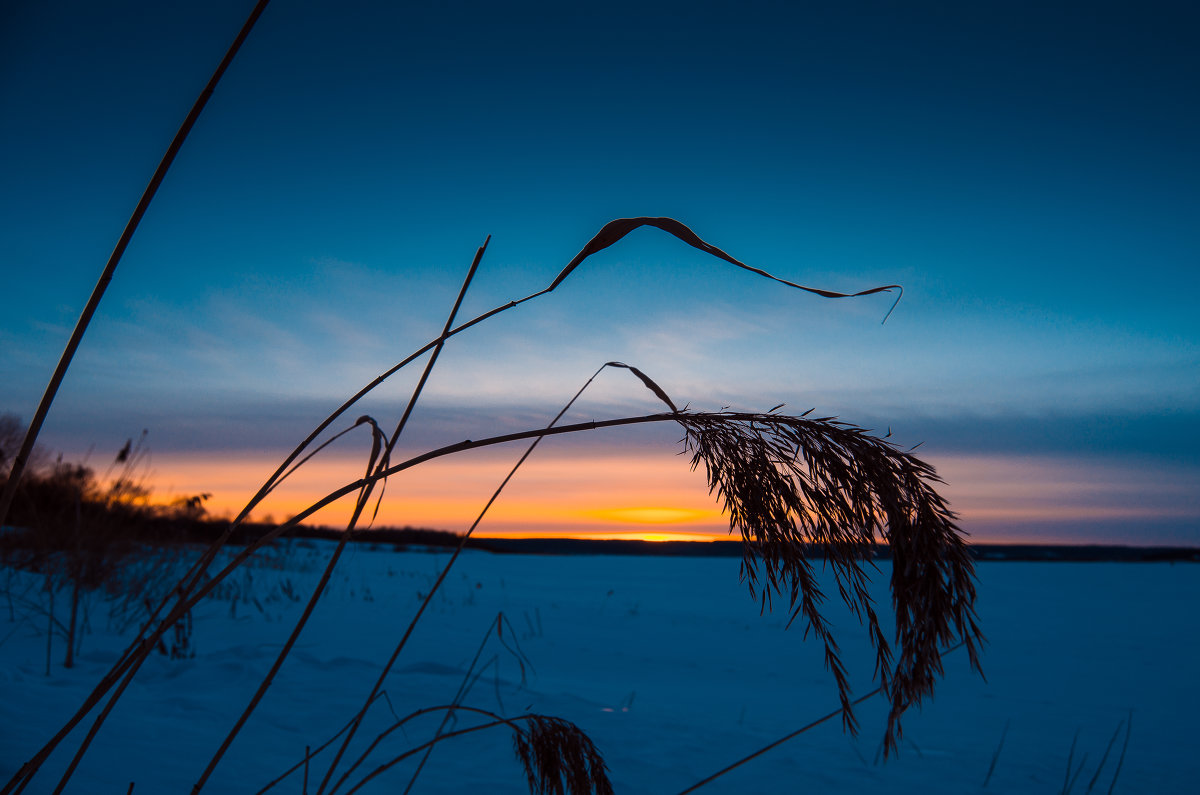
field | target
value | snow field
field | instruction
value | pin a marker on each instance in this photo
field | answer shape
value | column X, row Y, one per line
column 664, row 662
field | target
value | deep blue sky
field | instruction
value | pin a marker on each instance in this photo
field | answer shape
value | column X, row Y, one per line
column 1028, row 171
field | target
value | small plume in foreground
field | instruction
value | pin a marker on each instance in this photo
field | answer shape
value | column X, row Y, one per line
column 559, row 759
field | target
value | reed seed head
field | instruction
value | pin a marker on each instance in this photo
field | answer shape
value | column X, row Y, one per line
column 794, row 486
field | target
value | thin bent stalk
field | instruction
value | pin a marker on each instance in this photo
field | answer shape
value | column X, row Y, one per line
column 752, row 756
column 464, row 688
column 446, row 709
column 309, row 754
column 468, row 682
column 499, row 721
column 89, row 309
column 791, row 735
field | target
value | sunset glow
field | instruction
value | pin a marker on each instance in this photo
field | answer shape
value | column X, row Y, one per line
column 656, row 497
column 653, row 515
column 316, row 227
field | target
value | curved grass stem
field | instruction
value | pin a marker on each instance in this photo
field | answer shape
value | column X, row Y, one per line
column 791, row 735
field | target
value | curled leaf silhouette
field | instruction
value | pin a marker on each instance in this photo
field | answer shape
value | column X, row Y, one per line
column 615, row 230
column 648, row 381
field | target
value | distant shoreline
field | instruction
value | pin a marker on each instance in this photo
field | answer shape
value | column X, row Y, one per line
column 407, row 538
column 733, row 549
column 437, row 539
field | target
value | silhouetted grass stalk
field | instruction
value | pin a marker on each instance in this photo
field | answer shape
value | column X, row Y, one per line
column 309, row 753
column 446, row 709
column 1068, row 779
column 750, row 757
column 791, row 735
column 469, row 680
column 464, row 688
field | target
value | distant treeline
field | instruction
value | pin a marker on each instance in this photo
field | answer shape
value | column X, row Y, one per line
column 733, row 549
column 413, row 537
column 158, row 529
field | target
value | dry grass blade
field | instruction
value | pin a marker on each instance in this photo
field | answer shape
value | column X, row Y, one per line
column 791, row 735
column 615, row 230
column 309, row 754
column 791, row 483
column 560, row 759
column 469, row 679
column 645, row 379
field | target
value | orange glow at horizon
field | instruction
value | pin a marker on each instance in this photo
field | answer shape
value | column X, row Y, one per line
column 647, row 495
column 553, row 496
column 655, row 515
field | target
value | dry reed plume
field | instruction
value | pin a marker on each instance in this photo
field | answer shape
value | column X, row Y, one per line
column 793, row 484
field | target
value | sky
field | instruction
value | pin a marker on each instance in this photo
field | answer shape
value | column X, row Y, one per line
column 1029, row 172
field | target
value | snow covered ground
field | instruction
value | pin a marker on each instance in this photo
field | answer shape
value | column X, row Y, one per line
column 664, row 662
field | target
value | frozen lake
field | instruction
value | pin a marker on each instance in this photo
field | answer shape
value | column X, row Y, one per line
column 664, row 662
